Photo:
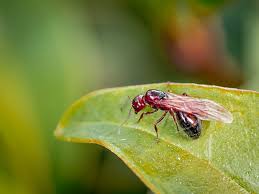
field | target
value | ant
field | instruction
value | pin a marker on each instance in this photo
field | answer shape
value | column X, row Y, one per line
column 188, row 111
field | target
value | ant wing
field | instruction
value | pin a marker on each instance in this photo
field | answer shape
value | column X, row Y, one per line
column 202, row 108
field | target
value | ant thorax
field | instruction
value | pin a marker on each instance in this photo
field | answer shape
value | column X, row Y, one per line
column 152, row 96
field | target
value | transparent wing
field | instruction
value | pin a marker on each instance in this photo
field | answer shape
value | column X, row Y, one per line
column 202, row 108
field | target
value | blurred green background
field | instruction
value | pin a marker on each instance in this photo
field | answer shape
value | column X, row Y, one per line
column 53, row 52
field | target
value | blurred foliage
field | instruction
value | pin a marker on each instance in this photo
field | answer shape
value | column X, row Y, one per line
column 52, row 52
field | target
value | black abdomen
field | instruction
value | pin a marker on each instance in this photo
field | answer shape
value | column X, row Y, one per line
column 190, row 123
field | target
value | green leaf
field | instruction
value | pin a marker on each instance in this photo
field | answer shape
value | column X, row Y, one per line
column 223, row 160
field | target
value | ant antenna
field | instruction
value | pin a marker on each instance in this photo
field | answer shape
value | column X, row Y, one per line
column 128, row 114
column 124, row 104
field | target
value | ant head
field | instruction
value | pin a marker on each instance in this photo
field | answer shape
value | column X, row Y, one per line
column 138, row 103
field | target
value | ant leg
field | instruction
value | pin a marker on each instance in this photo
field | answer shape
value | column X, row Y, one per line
column 146, row 113
column 158, row 121
column 173, row 115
